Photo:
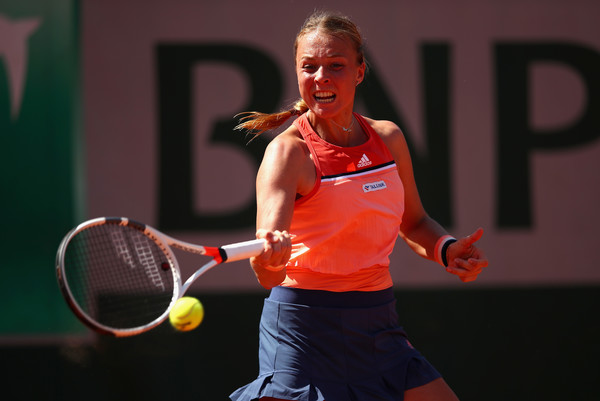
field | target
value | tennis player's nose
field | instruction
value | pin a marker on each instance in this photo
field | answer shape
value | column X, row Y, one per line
column 321, row 75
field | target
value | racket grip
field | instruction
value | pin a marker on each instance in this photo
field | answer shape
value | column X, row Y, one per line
column 243, row 250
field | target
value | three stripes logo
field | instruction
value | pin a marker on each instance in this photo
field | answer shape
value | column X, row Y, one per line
column 364, row 161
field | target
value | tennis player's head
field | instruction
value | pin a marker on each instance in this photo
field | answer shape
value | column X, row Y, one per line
column 322, row 33
column 330, row 63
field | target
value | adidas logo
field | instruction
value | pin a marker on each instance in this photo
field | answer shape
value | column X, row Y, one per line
column 364, row 161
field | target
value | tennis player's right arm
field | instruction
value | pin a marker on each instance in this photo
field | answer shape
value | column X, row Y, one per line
column 277, row 183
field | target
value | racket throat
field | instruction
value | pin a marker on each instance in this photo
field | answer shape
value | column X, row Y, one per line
column 218, row 254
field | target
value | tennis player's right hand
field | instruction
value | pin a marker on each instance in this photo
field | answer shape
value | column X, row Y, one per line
column 269, row 266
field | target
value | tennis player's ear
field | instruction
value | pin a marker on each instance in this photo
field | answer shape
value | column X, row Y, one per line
column 361, row 73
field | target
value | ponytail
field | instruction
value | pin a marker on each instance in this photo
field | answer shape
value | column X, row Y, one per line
column 256, row 123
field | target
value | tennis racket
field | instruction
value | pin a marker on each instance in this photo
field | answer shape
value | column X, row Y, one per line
column 121, row 278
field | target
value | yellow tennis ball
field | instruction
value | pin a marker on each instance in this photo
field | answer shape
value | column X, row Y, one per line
column 187, row 314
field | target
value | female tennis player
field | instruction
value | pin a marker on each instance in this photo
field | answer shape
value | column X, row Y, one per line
column 343, row 185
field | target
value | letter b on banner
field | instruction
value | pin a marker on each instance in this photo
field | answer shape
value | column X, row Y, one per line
column 177, row 183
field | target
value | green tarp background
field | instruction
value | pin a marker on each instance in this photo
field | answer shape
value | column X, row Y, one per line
column 40, row 135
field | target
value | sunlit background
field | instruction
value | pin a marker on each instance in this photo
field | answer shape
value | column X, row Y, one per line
column 125, row 108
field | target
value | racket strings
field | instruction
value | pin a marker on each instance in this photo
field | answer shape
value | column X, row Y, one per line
column 117, row 276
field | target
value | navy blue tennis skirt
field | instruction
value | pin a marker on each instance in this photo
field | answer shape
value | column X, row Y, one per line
column 321, row 345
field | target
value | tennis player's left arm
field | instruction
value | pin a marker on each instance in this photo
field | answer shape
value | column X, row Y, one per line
column 418, row 229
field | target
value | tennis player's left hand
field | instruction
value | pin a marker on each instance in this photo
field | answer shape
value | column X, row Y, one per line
column 464, row 259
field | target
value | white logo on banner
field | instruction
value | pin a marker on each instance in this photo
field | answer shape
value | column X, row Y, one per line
column 14, row 52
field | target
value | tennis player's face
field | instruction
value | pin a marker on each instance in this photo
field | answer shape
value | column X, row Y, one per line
column 328, row 72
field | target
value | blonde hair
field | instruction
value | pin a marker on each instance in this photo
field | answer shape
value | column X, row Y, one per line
column 329, row 23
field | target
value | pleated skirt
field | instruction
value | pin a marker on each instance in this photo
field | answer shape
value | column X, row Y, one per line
column 321, row 345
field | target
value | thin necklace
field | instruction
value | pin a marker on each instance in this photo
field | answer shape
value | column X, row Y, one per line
column 346, row 130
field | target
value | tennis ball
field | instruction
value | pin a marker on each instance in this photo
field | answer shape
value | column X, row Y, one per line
column 187, row 314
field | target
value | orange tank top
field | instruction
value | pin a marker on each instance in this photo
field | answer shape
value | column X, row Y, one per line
column 346, row 227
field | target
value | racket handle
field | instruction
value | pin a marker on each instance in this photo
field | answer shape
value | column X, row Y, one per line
column 243, row 250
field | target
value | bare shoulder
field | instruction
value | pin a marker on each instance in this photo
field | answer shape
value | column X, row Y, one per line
column 287, row 161
column 288, row 146
column 390, row 133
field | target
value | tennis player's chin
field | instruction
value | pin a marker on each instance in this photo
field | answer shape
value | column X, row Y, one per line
column 325, row 110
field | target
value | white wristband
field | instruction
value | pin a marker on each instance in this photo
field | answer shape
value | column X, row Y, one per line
column 441, row 246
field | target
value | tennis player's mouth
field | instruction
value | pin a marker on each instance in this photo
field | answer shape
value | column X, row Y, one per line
column 324, row 97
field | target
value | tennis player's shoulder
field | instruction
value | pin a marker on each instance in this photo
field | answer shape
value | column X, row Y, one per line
column 391, row 134
column 289, row 145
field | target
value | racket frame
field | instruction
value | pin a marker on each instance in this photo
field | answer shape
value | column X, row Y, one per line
column 226, row 253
